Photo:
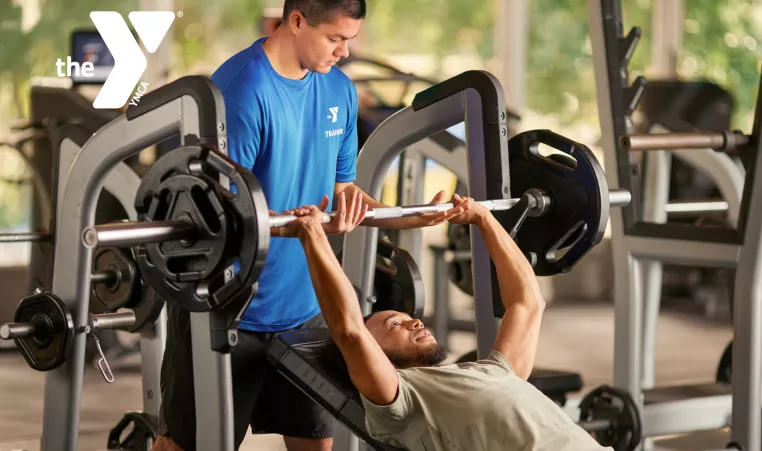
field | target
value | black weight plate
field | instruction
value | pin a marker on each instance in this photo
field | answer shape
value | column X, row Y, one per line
column 188, row 197
column 725, row 367
column 579, row 195
column 147, row 311
column 461, row 272
column 51, row 347
column 239, row 236
column 251, row 242
column 126, row 290
column 143, row 428
column 398, row 282
column 616, row 406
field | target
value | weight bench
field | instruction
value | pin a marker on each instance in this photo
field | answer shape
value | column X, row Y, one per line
column 311, row 361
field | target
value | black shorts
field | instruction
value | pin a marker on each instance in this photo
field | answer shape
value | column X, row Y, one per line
column 262, row 398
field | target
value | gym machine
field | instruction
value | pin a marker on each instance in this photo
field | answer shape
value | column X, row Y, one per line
column 677, row 410
column 311, row 361
column 60, row 123
column 193, row 230
column 115, row 281
column 89, row 170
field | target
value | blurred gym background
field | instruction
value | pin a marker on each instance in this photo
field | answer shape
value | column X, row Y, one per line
column 541, row 52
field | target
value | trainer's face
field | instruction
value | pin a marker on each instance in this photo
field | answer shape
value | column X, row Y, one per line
column 320, row 47
column 405, row 340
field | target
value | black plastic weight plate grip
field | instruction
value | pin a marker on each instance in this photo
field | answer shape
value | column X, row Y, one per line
column 49, row 349
column 189, row 197
column 245, row 226
column 579, row 199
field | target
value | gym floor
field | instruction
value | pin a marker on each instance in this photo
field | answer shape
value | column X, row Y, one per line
column 576, row 337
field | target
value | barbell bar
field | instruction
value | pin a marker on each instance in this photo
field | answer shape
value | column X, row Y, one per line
column 127, row 234
column 726, row 140
column 24, row 237
column 43, row 326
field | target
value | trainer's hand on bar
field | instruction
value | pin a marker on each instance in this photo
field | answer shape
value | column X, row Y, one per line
column 350, row 212
column 473, row 212
column 306, row 217
column 432, row 219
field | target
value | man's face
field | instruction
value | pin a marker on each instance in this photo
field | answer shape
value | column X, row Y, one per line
column 405, row 340
column 320, row 47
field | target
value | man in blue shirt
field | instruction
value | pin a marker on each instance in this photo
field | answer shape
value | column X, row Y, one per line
column 291, row 118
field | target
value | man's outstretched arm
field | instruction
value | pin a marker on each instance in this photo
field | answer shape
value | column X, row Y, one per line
column 413, row 222
column 524, row 305
column 369, row 368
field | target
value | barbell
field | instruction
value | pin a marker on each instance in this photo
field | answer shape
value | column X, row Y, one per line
column 135, row 233
column 43, row 330
column 203, row 228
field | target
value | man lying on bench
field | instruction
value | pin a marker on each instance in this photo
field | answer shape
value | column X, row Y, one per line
column 392, row 359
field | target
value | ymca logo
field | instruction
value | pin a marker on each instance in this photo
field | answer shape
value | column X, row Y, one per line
column 334, row 117
column 334, row 114
column 129, row 61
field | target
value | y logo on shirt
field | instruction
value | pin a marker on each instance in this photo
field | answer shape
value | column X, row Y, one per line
column 334, row 114
column 334, row 118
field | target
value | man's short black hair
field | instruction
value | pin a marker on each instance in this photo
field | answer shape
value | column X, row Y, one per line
column 367, row 317
column 321, row 11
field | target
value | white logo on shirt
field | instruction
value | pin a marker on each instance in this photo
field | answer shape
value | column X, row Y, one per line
column 330, row 133
column 334, row 114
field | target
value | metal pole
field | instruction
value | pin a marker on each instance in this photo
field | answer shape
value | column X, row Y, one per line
column 688, row 140
column 24, row 237
column 119, row 320
column 134, row 233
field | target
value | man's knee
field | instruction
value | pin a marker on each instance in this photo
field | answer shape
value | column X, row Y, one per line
column 164, row 443
column 308, row 444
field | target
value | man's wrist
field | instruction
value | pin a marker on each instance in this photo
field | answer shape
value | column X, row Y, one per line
column 485, row 221
column 310, row 231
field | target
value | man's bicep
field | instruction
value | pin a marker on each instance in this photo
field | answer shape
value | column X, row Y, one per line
column 244, row 133
column 369, row 368
column 346, row 161
column 390, row 420
column 518, row 337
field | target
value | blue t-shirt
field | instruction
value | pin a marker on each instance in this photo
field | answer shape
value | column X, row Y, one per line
column 299, row 138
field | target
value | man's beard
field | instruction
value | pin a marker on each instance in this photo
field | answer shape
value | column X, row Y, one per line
column 430, row 356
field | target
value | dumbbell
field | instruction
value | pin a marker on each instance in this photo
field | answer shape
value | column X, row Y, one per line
column 43, row 330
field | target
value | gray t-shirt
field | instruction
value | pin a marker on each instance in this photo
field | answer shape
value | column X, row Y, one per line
column 475, row 406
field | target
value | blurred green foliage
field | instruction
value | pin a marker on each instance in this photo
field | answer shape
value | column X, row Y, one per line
column 721, row 44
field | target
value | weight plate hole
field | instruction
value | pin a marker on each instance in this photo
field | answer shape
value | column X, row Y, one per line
column 187, row 264
column 126, row 435
column 164, row 199
column 555, row 155
column 206, row 209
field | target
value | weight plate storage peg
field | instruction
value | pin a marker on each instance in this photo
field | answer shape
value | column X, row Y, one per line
column 123, row 289
column 231, row 227
column 50, row 344
column 616, row 407
column 147, row 311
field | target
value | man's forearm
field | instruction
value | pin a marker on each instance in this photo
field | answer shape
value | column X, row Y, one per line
column 335, row 293
column 517, row 280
